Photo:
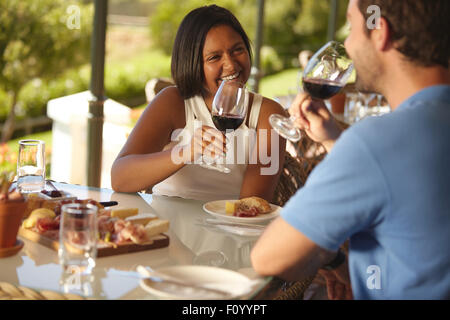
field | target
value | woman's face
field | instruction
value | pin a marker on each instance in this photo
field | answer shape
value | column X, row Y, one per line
column 225, row 56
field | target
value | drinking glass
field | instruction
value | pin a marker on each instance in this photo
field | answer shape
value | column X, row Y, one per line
column 31, row 166
column 78, row 238
column 228, row 112
column 353, row 107
column 326, row 73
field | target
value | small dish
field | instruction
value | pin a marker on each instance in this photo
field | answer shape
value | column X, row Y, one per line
column 217, row 209
column 8, row 252
column 230, row 281
column 64, row 196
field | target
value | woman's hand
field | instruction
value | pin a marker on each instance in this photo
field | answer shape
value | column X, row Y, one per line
column 313, row 117
column 206, row 141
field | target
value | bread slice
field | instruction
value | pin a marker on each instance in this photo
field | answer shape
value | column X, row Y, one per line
column 254, row 202
column 156, row 227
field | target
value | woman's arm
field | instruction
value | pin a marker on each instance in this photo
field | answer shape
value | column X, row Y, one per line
column 141, row 162
column 261, row 178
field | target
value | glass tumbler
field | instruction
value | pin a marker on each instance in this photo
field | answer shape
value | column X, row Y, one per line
column 78, row 238
column 31, row 166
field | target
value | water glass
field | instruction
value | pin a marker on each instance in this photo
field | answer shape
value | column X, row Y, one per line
column 78, row 238
column 31, row 166
column 353, row 107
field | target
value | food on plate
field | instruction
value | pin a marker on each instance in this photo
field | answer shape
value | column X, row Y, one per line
column 34, row 202
column 142, row 218
column 117, row 231
column 155, row 227
column 36, row 214
column 112, row 230
column 124, row 212
column 52, row 193
column 251, row 207
column 230, row 207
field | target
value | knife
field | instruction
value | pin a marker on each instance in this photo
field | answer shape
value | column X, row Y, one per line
column 108, row 203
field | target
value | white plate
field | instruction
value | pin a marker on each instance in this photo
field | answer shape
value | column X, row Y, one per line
column 217, row 209
column 230, row 281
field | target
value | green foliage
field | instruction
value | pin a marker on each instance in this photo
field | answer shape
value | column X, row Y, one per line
column 295, row 25
column 167, row 17
column 127, row 80
column 39, row 39
column 270, row 61
column 123, row 82
column 36, row 42
column 289, row 25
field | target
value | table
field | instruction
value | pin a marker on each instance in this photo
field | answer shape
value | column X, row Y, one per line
column 36, row 266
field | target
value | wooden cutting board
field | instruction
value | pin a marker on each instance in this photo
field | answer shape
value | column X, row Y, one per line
column 158, row 241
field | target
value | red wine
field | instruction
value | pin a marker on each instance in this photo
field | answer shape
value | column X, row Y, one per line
column 227, row 121
column 321, row 89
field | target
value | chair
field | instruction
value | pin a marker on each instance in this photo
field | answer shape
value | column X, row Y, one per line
column 296, row 170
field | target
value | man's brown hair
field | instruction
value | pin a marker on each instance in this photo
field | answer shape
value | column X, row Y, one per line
column 419, row 28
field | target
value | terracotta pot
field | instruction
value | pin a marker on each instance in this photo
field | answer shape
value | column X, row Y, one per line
column 11, row 214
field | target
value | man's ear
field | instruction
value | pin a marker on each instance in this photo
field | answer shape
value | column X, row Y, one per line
column 381, row 35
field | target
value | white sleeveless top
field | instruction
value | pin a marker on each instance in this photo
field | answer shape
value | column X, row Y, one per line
column 195, row 182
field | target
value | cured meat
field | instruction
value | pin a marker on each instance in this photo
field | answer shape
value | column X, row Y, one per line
column 250, row 212
column 45, row 224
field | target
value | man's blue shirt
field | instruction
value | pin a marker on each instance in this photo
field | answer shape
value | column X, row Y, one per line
column 386, row 186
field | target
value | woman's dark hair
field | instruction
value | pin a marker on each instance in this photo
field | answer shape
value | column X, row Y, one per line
column 187, row 54
column 418, row 27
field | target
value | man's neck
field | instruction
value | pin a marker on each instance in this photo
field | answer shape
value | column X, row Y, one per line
column 406, row 79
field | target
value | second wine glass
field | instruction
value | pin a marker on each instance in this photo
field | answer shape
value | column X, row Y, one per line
column 326, row 73
column 228, row 112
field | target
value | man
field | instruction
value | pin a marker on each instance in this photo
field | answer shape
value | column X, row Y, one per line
column 385, row 183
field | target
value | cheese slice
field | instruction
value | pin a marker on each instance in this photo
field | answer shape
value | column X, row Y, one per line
column 37, row 214
column 142, row 218
column 156, row 226
column 124, row 213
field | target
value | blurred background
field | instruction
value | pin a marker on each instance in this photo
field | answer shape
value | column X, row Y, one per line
column 45, row 52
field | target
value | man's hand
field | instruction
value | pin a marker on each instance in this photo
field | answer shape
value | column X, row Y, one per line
column 313, row 117
column 338, row 282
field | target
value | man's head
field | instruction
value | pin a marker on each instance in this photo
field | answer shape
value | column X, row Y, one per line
column 416, row 29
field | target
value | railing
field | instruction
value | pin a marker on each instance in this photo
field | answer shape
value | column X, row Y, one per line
column 29, row 123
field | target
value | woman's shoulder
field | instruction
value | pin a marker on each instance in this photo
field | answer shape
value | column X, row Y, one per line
column 169, row 94
column 168, row 99
column 167, row 105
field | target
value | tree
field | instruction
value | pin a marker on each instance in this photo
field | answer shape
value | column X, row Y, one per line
column 39, row 39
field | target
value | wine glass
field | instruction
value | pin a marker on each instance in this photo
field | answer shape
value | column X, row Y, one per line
column 229, row 109
column 326, row 73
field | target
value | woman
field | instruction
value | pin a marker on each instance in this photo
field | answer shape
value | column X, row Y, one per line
column 210, row 47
